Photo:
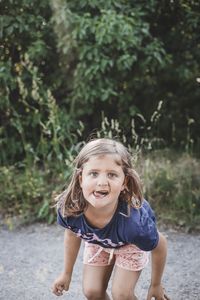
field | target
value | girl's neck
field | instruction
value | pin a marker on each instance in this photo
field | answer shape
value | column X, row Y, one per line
column 99, row 217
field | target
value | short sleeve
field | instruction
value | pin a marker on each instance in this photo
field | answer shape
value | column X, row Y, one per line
column 61, row 220
column 149, row 210
column 148, row 239
column 144, row 233
column 148, row 236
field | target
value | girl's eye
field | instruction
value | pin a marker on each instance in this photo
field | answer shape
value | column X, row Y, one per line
column 93, row 174
column 112, row 175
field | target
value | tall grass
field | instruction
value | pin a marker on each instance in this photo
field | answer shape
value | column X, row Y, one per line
column 172, row 184
column 27, row 186
column 171, row 179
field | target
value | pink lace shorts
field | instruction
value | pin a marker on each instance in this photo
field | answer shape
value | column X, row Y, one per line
column 128, row 257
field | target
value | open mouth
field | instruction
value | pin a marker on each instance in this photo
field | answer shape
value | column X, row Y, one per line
column 100, row 194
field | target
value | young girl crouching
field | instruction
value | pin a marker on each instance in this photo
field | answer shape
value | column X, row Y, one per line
column 104, row 206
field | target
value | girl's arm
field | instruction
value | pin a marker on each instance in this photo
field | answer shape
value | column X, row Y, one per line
column 159, row 255
column 71, row 248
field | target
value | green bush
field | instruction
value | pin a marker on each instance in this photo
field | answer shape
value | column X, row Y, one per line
column 64, row 64
column 27, row 190
column 23, row 192
column 172, row 185
column 33, row 121
column 123, row 57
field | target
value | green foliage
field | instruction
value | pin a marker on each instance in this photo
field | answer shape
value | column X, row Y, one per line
column 68, row 67
column 28, row 191
column 143, row 139
column 33, row 125
column 123, row 57
column 41, row 127
column 110, row 49
column 116, row 57
column 22, row 192
column 171, row 183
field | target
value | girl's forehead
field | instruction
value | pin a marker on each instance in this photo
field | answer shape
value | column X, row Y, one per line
column 108, row 158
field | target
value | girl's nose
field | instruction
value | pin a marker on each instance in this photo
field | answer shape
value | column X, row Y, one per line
column 102, row 181
column 102, row 184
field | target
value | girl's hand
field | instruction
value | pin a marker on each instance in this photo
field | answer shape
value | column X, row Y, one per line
column 157, row 292
column 61, row 283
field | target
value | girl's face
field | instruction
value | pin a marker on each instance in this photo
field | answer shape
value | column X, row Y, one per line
column 102, row 180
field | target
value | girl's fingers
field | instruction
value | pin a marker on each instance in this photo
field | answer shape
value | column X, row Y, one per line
column 58, row 291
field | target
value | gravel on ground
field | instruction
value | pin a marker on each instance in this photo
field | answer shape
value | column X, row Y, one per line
column 31, row 258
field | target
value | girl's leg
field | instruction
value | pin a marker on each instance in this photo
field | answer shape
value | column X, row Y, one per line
column 124, row 282
column 95, row 281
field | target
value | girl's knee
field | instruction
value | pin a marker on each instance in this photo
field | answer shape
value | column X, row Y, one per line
column 92, row 293
column 118, row 294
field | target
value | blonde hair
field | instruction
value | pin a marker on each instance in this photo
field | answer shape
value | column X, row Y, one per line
column 72, row 202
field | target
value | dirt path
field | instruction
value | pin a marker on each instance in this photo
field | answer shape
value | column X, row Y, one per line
column 31, row 258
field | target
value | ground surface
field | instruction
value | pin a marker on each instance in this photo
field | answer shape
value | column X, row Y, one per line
column 31, row 258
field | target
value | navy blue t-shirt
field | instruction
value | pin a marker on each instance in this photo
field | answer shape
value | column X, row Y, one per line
column 139, row 228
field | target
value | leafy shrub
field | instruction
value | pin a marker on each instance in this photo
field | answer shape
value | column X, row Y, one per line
column 27, row 190
column 123, row 57
column 172, row 185
column 22, row 192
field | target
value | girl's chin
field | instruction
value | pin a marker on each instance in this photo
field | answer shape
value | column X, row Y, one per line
column 97, row 202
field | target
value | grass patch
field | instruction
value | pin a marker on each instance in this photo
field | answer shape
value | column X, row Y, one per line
column 28, row 193
column 171, row 184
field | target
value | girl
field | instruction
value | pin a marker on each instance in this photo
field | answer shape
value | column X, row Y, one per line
column 103, row 205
